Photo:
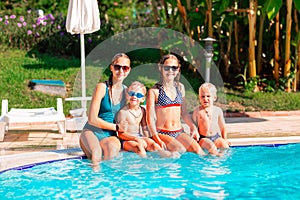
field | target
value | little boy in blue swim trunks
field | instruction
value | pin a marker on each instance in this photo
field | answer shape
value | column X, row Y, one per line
column 210, row 121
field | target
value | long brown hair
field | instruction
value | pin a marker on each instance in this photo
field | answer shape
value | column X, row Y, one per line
column 113, row 61
column 161, row 63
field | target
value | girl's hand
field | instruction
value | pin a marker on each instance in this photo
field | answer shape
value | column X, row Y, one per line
column 228, row 142
column 194, row 134
column 160, row 143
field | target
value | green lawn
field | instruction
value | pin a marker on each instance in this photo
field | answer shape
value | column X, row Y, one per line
column 17, row 69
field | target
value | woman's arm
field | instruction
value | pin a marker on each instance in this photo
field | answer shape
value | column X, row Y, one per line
column 93, row 118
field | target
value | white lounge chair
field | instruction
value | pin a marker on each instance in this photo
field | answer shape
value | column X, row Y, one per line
column 20, row 118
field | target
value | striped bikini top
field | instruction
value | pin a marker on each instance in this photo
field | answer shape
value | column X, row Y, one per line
column 164, row 101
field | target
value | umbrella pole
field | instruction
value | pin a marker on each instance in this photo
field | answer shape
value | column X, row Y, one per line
column 83, row 87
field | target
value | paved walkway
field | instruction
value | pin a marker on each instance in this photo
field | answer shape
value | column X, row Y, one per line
column 29, row 146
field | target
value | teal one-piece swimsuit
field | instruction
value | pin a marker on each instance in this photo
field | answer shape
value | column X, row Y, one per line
column 107, row 112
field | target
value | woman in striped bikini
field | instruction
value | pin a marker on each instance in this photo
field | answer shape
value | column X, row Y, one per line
column 165, row 107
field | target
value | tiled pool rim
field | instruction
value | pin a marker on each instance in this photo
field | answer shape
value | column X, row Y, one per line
column 65, row 151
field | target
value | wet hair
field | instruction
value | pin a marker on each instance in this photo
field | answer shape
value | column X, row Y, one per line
column 211, row 87
column 113, row 61
column 161, row 63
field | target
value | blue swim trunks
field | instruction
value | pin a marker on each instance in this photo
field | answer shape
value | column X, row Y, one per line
column 212, row 138
column 100, row 133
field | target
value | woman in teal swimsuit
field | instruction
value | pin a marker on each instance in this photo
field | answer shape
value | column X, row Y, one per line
column 99, row 136
column 165, row 107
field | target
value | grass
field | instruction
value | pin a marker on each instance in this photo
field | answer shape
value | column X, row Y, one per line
column 17, row 69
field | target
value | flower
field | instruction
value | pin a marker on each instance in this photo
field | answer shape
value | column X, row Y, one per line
column 58, row 27
column 19, row 25
column 13, row 17
column 22, row 19
column 24, row 23
column 6, row 22
column 51, row 16
column 29, row 32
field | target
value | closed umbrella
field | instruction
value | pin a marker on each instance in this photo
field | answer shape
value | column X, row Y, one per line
column 83, row 18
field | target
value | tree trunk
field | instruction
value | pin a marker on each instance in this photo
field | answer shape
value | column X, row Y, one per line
column 252, row 31
column 260, row 41
column 297, row 62
column 287, row 67
column 183, row 14
column 276, row 49
column 236, row 38
column 209, row 17
column 155, row 12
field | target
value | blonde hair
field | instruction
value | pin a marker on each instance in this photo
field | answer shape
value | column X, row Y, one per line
column 135, row 85
column 211, row 87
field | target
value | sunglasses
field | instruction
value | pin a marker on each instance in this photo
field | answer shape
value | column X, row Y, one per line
column 168, row 68
column 124, row 68
column 136, row 94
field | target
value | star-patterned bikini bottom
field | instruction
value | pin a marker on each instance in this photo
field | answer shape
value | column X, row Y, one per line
column 173, row 134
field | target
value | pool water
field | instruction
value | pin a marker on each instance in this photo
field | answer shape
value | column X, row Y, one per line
column 255, row 172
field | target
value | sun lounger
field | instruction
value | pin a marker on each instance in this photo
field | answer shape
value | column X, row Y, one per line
column 18, row 118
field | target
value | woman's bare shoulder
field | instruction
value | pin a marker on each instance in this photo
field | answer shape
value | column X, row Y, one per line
column 101, row 85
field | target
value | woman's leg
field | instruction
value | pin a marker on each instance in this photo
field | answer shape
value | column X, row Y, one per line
column 190, row 144
column 89, row 143
column 110, row 146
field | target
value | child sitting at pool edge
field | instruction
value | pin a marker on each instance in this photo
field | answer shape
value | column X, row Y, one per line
column 210, row 121
column 134, row 139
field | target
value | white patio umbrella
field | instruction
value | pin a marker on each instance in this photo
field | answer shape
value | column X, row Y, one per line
column 83, row 18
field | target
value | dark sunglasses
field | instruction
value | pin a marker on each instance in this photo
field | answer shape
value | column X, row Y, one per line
column 124, row 68
column 167, row 68
column 136, row 94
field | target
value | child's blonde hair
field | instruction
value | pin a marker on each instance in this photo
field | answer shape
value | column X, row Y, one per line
column 135, row 85
column 211, row 87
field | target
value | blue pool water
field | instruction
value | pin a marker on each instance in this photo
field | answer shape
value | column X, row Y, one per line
column 255, row 172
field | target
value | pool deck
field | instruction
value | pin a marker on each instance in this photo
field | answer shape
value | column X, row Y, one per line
column 24, row 147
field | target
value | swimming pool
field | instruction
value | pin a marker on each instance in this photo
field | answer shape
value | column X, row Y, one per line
column 254, row 172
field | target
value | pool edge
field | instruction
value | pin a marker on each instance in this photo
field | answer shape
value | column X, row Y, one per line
column 32, row 159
